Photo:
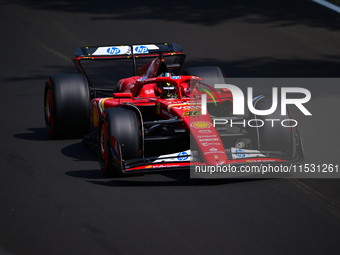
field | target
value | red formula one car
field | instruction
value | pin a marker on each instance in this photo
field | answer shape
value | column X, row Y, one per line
column 152, row 120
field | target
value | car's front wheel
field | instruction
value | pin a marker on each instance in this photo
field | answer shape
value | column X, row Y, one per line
column 120, row 138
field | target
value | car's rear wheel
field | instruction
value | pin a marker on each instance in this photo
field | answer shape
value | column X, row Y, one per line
column 67, row 106
column 120, row 138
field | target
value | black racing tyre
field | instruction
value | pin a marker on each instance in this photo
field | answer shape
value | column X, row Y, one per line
column 67, row 105
column 274, row 136
column 124, row 125
column 211, row 74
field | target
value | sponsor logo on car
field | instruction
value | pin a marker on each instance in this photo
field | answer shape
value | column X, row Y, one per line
column 113, row 50
column 141, row 49
column 208, row 144
column 201, row 124
column 178, row 156
column 204, row 131
column 213, row 152
column 164, row 166
column 208, row 140
column 182, row 156
column 191, row 113
column 240, row 153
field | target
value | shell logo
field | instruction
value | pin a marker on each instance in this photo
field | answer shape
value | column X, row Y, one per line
column 201, row 124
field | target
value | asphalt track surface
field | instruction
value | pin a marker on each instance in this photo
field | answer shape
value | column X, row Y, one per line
column 53, row 198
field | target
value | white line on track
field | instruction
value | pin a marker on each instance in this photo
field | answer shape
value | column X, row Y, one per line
column 328, row 5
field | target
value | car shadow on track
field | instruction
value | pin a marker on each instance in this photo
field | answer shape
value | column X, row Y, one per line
column 35, row 134
column 79, row 152
column 169, row 178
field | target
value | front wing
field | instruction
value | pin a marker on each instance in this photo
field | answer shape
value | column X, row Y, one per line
column 189, row 159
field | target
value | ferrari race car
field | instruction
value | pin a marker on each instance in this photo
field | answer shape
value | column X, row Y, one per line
column 152, row 118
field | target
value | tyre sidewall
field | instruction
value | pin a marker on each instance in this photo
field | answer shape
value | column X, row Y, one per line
column 71, row 105
column 122, row 125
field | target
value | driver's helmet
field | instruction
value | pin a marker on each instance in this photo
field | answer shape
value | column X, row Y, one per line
column 167, row 89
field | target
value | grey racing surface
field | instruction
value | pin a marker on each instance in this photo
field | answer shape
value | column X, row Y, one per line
column 53, row 197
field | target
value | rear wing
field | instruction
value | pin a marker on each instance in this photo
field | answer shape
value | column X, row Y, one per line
column 128, row 50
column 132, row 52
